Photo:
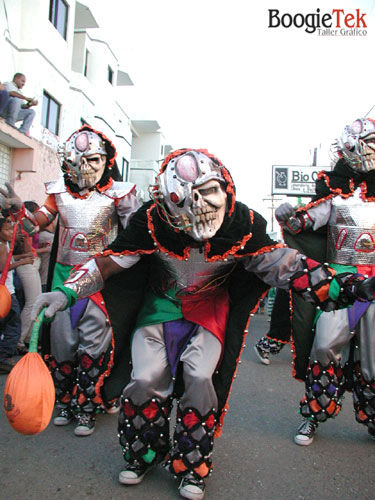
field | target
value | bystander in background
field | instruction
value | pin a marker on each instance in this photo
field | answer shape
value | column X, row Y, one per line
column 16, row 109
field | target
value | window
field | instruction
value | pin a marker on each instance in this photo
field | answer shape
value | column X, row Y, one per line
column 87, row 59
column 110, row 75
column 125, row 170
column 50, row 113
column 58, row 15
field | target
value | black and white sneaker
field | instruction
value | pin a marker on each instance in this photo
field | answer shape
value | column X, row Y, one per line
column 263, row 356
column 192, row 488
column 114, row 408
column 85, row 424
column 134, row 474
column 305, row 433
column 64, row 417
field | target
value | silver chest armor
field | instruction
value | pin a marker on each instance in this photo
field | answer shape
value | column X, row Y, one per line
column 196, row 271
column 351, row 231
column 86, row 225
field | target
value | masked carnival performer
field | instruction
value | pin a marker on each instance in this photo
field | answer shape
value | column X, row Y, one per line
column 89, row 205
column 211, row 263
column 342, row 356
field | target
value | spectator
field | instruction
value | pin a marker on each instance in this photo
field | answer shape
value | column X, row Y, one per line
column 14, row 110
column 4, row 97
column 10, row 327
column 44, row 251
column 30, row 278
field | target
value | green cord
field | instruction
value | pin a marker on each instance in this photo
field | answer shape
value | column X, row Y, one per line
column 33, row 346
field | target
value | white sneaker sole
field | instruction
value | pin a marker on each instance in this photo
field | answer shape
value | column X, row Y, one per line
column 186, row 492
column 303, row 440
column 61, row 421
column 129, row 477
column 264, row 361
column 83, row 431
column 112, row 410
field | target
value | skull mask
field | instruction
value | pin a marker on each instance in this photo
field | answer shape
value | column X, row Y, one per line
column 357, row 144
column 193, row 189
column 85, row 158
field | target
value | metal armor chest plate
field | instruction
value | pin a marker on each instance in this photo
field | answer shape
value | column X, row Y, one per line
column 86, row 226
column 351, row 231
column 196, row 271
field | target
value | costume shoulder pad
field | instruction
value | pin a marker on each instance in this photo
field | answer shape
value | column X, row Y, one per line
column 55, row 187
column 119, row 189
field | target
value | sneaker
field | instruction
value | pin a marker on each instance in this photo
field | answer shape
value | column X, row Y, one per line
column 114, row 408
column 192, row 488
column 305, row 433
column 64, row 417
column 263, row 356
column 134, row 474
column 85, row 424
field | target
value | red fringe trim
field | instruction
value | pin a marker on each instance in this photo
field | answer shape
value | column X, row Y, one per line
column 100, row 382
column 263, row 250
column 151, row 227
column 231, row 251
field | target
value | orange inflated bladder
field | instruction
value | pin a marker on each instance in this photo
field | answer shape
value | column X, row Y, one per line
column 5, row 301
column 29, row 393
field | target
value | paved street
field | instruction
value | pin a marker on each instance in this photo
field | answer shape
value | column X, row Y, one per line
column 254, row 459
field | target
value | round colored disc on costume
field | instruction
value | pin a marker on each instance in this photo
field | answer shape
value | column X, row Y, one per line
column 187, row 169
column 174, row 197
column 82, row 141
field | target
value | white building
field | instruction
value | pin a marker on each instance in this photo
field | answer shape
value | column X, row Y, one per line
column 74, row 76
column 148, row 151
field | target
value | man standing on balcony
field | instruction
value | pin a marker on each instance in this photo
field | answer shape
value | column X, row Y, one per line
column 15, row 109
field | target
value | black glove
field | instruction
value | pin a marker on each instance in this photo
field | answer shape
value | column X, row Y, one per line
column 361, row 288
column 284, row 212
column 366, row 289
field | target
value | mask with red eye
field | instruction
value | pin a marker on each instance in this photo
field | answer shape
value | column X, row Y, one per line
column 192, row 188
column 357, row 144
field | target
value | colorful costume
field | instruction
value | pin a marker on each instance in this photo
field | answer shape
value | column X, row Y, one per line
column 343, row 350
column 90, row 206
column 210, row 262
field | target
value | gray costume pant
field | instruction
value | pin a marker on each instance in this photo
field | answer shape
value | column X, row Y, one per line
column 78, row 357
column 325, row 381
column 144, row 416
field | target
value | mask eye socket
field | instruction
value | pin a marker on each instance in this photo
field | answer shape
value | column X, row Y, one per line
column 187, row 168
column 208, row 191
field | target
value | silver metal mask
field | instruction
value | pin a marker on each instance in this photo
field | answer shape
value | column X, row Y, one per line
column 357, row 144
column 83, row 157
column 192, row 188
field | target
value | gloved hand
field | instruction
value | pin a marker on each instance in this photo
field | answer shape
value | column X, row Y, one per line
column 365, row 289
column 10, row 199
column 55, row 301
column 284, row 212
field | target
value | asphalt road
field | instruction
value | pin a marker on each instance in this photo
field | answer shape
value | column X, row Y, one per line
column 255, row 458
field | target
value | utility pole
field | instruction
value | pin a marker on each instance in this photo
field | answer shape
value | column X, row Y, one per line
column 272, row 207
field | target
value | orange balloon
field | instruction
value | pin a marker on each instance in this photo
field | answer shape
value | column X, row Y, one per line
column 29, row 395
column 5, row 301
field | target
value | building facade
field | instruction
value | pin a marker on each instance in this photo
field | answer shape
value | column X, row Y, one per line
column 73, row 74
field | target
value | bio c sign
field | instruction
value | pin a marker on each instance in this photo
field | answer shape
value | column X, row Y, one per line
column 295, row 180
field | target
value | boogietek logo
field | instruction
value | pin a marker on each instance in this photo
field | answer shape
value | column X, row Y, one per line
column 338, row 22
